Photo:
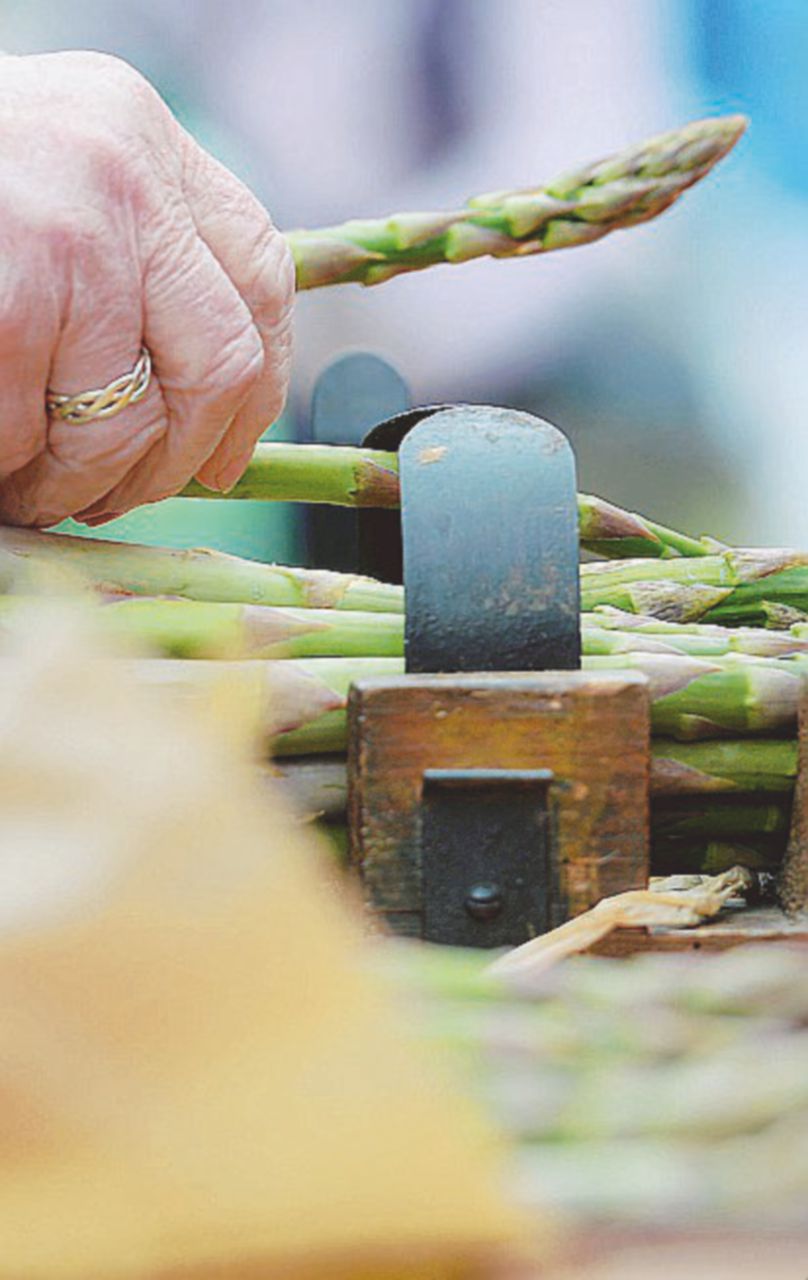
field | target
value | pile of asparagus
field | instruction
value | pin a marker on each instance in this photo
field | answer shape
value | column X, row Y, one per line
column 724, row 695
column 721, row 634
column 662, row 1093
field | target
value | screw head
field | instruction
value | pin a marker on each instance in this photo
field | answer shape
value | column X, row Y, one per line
column 484, row 901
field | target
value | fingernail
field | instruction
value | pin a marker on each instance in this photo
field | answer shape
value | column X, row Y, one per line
column 92, row 522
column 232, row 471
column 208, row 483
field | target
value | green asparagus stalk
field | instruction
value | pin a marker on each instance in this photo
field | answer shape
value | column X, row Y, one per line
column 338, row 475
column 198, row 629
column 699, row 639
column 730, row 585
column 628, row 188
column 180, row 628
column 695, row 698
column 734, row 587
column 691, row 698
column 134, row 569
column 750, row 765
column 353, row 477
column 293, row 700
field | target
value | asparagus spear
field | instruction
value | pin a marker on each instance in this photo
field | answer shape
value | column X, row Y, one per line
column 305, row 699
column 691, row 698
column 694, row 698
column 628, row 188
column 199, row 629
column 338, row 475
column 133, row 569
column 733, row 587
column 731, row 584
column 352, row 477
column 723, row 765
column 180, row 628
column 700, row 639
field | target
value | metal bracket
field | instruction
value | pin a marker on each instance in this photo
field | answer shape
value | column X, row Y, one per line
column 381, row 553
column 487, row 545
column 489, row 530
column 498, row 886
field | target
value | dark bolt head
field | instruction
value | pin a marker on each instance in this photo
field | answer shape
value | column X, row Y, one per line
column 484, row 901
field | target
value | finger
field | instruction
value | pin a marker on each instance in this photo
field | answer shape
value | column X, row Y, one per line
column 208, row 357
column 100, row 341
column 256, row 257
column 23, row 379
column 82, row 461
column 29, row 328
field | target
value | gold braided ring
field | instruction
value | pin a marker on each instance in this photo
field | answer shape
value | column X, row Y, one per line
column 104, row 402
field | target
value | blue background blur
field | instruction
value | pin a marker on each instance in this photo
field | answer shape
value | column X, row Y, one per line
column 673, row 355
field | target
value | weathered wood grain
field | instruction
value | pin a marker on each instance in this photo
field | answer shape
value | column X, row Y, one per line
column 593, row 732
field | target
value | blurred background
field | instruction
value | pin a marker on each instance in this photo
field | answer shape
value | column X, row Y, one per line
column 673, row 356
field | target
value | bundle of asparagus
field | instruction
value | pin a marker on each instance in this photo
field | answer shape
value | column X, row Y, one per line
column 657, row 1093
column 724, row 699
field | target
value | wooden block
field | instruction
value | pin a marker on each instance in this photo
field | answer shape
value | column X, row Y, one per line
column 792, row 883
column 592, row 732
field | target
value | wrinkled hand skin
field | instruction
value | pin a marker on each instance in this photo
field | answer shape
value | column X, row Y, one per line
column 117, row 230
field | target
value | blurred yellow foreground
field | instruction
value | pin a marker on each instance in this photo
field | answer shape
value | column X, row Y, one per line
column 197, row 1076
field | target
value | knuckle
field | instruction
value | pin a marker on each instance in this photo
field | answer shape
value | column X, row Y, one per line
column 271, row 277
column 116, row 75
column 67, row 231
column 115, row 164
column 111, row 163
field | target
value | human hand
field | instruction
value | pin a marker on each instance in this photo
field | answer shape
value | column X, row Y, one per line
column 117, row 231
